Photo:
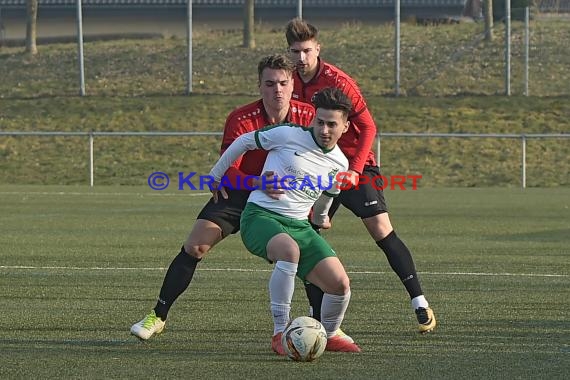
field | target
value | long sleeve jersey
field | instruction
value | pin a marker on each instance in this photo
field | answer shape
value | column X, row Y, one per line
column 357, row 142
column 253, row 117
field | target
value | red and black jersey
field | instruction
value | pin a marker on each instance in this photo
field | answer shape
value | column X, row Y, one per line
column 252, row 117
column 357, row 142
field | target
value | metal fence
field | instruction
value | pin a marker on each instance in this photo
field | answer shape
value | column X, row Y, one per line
column 239, row 3
column 531, row 57
column 92, row 135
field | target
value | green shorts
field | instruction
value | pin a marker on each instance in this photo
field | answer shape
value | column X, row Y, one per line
column 259, row 225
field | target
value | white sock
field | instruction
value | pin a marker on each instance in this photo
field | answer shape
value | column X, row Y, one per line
column 333, row 308
column 419, row 301
column 281, row 287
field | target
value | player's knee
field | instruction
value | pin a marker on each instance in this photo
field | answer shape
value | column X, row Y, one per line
column 196, row 250
column 282, row 247
column 291, row 255
column 379, row 226
column 341, row 287
column 345, row 285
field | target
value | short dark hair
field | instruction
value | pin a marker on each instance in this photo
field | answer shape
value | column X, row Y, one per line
column 332, row 98
column 298, row 30
column 275, row 62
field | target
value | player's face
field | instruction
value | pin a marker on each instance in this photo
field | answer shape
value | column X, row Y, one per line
column 304, row 55
column 328, row 126
column 276, row 88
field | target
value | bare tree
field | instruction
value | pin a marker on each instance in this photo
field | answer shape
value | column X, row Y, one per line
column 248, row 24
column 2, row 30
column 32, row 15
column 488, row 11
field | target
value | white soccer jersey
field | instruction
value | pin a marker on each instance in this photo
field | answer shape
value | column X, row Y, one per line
column 304, row 168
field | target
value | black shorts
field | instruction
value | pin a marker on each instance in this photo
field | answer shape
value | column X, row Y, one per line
column 227, row 212
column 366, row 201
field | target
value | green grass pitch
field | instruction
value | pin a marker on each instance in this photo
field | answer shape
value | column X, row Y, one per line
column 79, row 266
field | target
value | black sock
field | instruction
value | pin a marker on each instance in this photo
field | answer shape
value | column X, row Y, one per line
column 315, row 296
column 176, row 281
column 402, row 263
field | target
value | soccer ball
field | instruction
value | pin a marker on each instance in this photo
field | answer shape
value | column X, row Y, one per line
column 304, row 339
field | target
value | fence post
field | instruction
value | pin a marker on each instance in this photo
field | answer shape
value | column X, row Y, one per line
column 508, row 47
column 189, row 78
column 378, row 149
column 80, row 48
column 91, row 158
column 397, row 47
column 300, row 8
column 523, row 161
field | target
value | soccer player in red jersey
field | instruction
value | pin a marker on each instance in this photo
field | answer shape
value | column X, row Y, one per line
column 367, row 200
column 218, row 220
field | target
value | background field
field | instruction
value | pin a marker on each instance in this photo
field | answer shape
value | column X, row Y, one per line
column 79, row 267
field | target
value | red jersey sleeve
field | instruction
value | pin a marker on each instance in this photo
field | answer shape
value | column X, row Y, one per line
column 234, row 128
column 362, row 125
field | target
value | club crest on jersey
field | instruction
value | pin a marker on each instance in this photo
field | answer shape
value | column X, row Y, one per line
column 332, row 173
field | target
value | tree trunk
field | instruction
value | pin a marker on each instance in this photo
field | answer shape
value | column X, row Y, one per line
column 248, row 24
column 32, row 15
column 488, row 20
column 2, row 31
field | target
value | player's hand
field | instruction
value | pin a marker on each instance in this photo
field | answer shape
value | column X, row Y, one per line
column 270, row 186
column 323, row 226
column 327, row 223
column 216, row 190
column 350, row 179
column 353, row 177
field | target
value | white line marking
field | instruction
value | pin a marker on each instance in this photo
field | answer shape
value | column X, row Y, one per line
column 269, row 270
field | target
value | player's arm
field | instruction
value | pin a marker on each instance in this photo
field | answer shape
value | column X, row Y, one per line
column 320, row 215
column 232, row 130
column 236, row 149
column 241, row 145
column 266, row 139
column 361, row 118
column 368, row 130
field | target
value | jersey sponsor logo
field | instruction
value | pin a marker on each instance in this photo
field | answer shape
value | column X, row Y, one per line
column 371, row 203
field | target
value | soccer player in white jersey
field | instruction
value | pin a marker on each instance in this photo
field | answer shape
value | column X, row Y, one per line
column 278, row 230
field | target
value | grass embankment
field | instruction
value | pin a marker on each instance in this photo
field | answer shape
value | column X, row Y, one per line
column 453, row 85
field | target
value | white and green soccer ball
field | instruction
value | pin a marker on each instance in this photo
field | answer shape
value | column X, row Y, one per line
column 304, row 339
